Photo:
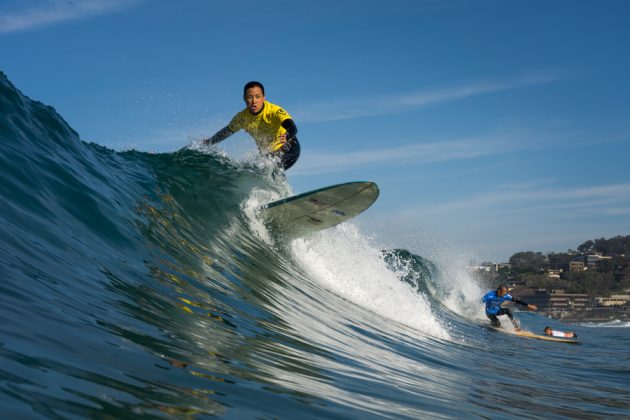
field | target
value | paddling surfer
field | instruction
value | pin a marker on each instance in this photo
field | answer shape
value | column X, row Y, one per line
column 556, row 333
column 493, row 301
column 270, row 125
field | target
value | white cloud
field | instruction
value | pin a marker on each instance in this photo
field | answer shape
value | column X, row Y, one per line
column 356, row 107
column 34, row 15
column 422, row 153
column 600, row 199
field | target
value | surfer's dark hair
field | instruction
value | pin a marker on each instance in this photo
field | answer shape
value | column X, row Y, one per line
column 252, row 84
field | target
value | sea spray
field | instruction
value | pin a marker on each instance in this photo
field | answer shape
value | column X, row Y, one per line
column 344, row 261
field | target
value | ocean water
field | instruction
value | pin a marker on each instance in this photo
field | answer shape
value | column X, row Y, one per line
column 146, row 285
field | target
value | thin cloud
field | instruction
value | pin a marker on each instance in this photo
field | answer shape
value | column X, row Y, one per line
column 501, row 222
column 348, row 108
column 611, row 199
column 319, row 163
column 618, row 211
column 555, row 218
column 30, row 17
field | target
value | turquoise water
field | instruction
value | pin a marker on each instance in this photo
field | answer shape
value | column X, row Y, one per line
column 136, row 284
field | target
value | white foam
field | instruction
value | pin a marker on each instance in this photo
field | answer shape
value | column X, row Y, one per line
column 461, row 293
column 346, row 263
column 616, row 323
column 258, row 197
column 251, row 209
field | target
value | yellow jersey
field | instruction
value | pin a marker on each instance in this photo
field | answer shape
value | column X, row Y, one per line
column 265, row 127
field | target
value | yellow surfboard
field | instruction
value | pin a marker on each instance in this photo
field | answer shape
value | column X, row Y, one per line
column 529, row 334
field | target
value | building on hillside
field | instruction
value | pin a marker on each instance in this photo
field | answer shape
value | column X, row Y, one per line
column 577, row 266
column 562, row 304
column 487, row 270
column 587, row 260
column 614, row 300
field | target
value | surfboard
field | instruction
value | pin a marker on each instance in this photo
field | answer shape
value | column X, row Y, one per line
column 529, row 334
column 319, row 209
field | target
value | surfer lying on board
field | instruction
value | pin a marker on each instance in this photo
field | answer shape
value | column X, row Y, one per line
column 493, row 301
column 556, row 333
column 271, row 126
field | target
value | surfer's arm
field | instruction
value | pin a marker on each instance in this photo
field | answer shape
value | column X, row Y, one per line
column 520, row 302
column 220, row 135
column 291, row 128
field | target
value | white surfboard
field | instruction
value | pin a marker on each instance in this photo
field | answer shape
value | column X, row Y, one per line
column 311, row 211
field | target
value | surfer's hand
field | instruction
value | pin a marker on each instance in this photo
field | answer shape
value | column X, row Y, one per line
column 532, row 307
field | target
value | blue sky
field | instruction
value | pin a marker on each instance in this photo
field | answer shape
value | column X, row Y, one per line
column 491, row 126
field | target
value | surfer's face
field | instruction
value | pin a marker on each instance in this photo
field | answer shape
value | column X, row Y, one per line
column 502, row 291
column 254, row 99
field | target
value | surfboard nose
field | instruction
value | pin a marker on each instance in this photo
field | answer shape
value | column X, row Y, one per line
column 311, row 211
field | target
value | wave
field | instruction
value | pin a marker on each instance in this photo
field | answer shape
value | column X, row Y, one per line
column 148, row 284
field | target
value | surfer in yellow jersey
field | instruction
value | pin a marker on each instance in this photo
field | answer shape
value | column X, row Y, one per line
column 271, row 126
column 555, row 333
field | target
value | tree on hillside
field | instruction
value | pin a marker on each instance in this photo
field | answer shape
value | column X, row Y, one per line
column 586, row 247
column 528, row 261
column 593, row 284
column 619, row 245
column 543, row 281
column 561, row 258
column 611, row 265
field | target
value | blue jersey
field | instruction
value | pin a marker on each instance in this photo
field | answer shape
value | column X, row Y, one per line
column 493, row 301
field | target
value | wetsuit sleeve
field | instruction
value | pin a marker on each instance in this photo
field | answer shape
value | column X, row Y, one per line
column 291, row 128
column 520, row 302
column 220, row 135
